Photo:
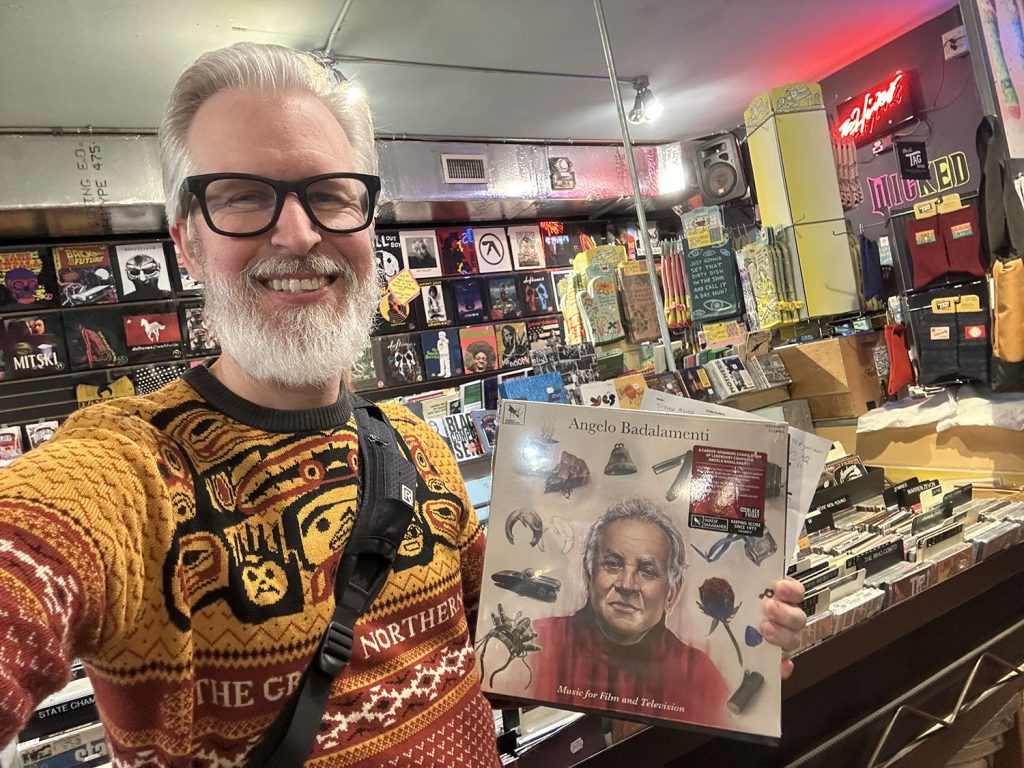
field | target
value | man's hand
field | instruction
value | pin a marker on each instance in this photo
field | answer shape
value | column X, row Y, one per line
column 783, row 619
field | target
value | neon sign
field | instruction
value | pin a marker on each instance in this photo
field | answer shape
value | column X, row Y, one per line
column 877, row 110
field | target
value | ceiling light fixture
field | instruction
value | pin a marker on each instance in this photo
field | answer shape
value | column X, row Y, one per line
column 646, row 108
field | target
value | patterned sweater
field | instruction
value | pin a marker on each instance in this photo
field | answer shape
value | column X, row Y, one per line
column 183, row 544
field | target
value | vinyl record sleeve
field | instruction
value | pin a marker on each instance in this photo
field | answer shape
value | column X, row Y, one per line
column 527, row 247
column 538, row 293
column 152, row 335
column 95, row 338
column 142, row 272
column 680, row 523
column 27, row 280
column 503, row 294
column 387, row 252
column 184, row 282
column 513, row 345
column 436, row 303
column 470, row 302
column 201, row 339
column 401, row 358
column 34, row 346
column 479, row 349
column 493, row 253
column 364, row 375
column 442, row 355
column 458, row 251
column 85, row 275
column 419, row 248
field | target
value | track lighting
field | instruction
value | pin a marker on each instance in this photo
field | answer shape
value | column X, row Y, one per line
column 646, row 108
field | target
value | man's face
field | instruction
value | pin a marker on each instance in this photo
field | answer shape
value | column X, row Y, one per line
column 629, row 588
column 281, row 301
column 143, row 270
column 480, row 362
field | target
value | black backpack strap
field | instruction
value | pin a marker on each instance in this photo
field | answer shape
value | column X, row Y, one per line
column 388, row 484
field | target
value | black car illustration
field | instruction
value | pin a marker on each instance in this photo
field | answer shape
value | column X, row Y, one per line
column 528, row 583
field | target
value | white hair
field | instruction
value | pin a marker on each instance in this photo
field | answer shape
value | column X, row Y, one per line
column 266, row 69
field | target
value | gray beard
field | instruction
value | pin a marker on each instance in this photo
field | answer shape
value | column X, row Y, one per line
column 292, row 346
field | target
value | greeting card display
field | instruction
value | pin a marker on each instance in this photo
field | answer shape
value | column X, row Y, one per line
column 676, row 522
column 527, row 247
column 458, row 252
column 513, row 345
column 85, row 275
column 142, row 272
column 27, row 280
column 438, row 307
column 95, row 339
column 152, row 335
column 387, row 252
column 469, row 300
column 492, row 250
column 34, row 346
column 419, row 248
column 479, row 349
column 442, row 356
column 503, row 293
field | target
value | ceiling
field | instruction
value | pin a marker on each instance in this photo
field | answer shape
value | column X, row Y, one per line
column 111, row 63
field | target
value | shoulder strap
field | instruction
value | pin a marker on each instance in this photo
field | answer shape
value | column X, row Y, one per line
column 388, row 485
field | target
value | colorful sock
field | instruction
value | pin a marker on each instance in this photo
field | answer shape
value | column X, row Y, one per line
column 927, row 250
column 962, row 235
column 901, row 373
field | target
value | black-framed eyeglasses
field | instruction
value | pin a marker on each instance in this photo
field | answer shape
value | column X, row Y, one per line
column 244, row 205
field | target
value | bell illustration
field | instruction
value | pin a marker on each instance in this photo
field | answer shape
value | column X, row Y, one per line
column 619, row 462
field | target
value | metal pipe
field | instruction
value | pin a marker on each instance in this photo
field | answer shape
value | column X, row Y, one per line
column 627, row 145
column 337, row 26
column 468, row 68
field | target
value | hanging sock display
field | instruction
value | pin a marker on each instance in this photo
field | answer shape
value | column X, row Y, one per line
column 901, row 373
column 871, row 270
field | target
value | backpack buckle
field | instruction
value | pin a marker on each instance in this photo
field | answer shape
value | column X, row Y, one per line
column 335, row 649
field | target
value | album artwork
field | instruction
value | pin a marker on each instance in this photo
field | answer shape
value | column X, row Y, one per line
column 401, row 359
column 558, row 246
column 40, row 432
column 576, row 363
column 460, row 433
column 142, row 272
column 95, row 338
column 438, row 307
column 527, row 247
column 186, row 283
column 492, row 249
column 10, row 444
column 364, row 375
column 34, row 346
column 85, row 275
column 513, row 345
column 676, row 521
column 557, row 276
column 387, row 252
column 200, row 337
column 538, row 293
column 392, row 315
column 479, row 349
column 469, row 300
column 419, row 248
column 486, row 423
column 503, row 293
column 442, row 355
column 153, row 335
column 27, row 280
column 544, row 333
column 458, row 251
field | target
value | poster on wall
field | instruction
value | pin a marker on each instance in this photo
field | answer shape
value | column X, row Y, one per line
column 1004, row 40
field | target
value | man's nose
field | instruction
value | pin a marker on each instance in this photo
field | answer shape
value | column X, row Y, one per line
column 627, row 581
column 294, row 230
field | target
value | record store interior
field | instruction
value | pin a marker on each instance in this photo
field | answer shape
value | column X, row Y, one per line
column 754, row 267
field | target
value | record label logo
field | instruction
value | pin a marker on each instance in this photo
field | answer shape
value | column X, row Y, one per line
column 491, row 249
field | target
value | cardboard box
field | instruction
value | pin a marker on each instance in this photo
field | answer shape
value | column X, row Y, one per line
column 836, row 376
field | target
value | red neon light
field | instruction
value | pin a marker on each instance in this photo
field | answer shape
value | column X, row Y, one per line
column 865, row 115
column 552, row 227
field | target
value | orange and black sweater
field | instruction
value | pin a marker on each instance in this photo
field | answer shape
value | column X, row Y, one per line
column 183, row 544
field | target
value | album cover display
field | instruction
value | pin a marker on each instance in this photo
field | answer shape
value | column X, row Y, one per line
column 442, row 355
column 364, row 375
column 486, row 423
column 527, row 247
column 186, row 283
column 458, row 251
column 538, row 293
column 392, row 315
column 401, row 359
column 95, row 338
column 39, row 432
column 558, row 243
column 419, row 248
column 676, row 521
column 142, row 272
column 438, row 306
column 34, row 346
column 479, row 348
column 513, row 345
column 387, row 252
column 460, row 433
column 544, row 333
column 503, row 293
column 200, row 337
column 492, row 249
column 152, row 335
column 469, row 300
column 10, row 444
column 84, row 275
column 575, row 363
column 27, row 280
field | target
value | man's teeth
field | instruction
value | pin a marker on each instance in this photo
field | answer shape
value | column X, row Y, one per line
column 297, row 286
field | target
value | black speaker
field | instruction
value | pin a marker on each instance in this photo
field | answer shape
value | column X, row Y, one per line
column 720, row 173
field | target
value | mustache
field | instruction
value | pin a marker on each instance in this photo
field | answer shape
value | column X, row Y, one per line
column 312, row 263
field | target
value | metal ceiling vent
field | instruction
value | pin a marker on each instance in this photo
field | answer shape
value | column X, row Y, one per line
column 464, row 169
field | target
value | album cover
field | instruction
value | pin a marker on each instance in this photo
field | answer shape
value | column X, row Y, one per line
column 557, row 276
column 599, row 394
column 527, row 247
column 469, row 300
column 486, row 423
column 458, row 251
column 576, row 363
column 392, row 316
column 142, row 272
column 676, row 521
column 152, row 335
column 669, row 383
column 630, row 388
column 479, row 349
column 387, row 252
column 419, row 248
column 27, row 280
column 558, row 243
column 492, row 249
column 401, row 358
column 95, row 338
column 84, row 275
column 364, row 374
column 460, row 433
column 442, row 356
column 438, row 306
column 185, row 283
column 10, row 444
column 513, row 345
column 544, row 333
column 538, row 293
column 40, row 432
column 201, row 339
column 34, row 346
column 698, row 385
column 503, row 293
column 729, row 377
column 540, row 388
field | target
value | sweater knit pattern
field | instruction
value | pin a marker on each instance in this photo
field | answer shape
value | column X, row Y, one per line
column 188, row 558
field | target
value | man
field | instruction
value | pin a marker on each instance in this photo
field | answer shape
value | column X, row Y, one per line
column 633, row 562
column 144, row 273
column 184, row 543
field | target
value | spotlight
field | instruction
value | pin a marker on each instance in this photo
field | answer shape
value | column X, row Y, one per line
column 646, row 108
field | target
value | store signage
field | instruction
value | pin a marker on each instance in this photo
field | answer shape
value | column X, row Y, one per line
column 889, row 190
column 913, row 160
column 876, row 111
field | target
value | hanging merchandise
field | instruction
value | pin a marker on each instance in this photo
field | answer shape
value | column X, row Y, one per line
column 945, row 244
column 845, row 153
column 763, row 283
column 677, row 313
column 951, row 327
column 901, row 373
column 789, row 303
column 871, row 270
column 711, row 274
column 638, row 306
column 747, row 285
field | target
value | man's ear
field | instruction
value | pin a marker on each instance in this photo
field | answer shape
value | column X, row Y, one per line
column 179, row 234
column 674, row 593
